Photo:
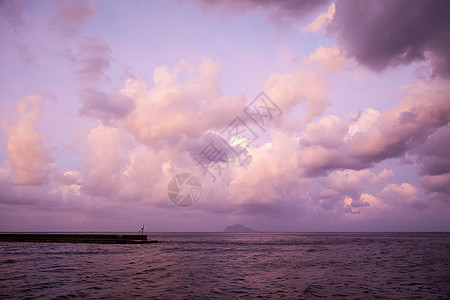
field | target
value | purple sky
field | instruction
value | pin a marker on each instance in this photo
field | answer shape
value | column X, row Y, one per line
column 103, row 102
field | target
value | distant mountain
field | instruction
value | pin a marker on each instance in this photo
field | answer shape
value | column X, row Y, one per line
column 239, row 228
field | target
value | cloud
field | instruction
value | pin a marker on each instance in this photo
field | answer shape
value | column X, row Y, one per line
column 26, row 151
column 433, row 160
column 119, row 170
column 363, row 121
column 324, row 147
column 272, row 180
column 330, row 60
column 278, row 12
column 94, row 58
column 291, row 89
column 381, row 34
column 371, row 136
column 14, row 24
column 321, row 21
column 437, row 183
column 328, row 132
column 183, row 105
column 72, row 14
column 153, row 132
column 351, row 186
column 350, row 182
column 103, row 106
column 365, row 205
column 433, row 155
column 400, row 194
column 401, row 128
column 108, row 154
column 381, row 176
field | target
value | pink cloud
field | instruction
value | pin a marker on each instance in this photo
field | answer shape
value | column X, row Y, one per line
column 402, row 194
column 271, row 175
column 25, row 145
column 330, row 60
column 363, row 121
column 175, row 110
column 321, row 21
column 328, row 132
column 404, row 126
column 292, row 89
column 109, row 148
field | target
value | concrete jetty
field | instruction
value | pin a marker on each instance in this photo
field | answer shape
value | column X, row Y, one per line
column 76, row 238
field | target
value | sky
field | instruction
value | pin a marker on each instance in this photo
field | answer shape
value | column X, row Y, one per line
column 289, row 115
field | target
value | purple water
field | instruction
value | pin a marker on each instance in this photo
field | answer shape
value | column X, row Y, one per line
column 234, row 265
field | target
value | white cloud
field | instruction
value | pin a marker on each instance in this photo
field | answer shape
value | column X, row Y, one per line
column 363, row 121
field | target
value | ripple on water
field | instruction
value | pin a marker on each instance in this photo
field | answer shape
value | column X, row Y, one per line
column 260, row 265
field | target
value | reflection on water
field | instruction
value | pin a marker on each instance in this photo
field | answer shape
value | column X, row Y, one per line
column 232, row 265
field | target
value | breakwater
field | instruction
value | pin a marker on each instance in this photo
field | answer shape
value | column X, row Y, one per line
column 76, row 238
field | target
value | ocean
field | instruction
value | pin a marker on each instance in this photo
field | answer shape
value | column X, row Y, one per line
column 233, row 265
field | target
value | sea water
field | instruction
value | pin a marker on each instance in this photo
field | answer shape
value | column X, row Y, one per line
column 233, row 265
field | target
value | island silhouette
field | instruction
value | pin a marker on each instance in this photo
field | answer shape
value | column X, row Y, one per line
column 239, row 228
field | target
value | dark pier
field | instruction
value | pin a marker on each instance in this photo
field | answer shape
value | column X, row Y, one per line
column 76, row 238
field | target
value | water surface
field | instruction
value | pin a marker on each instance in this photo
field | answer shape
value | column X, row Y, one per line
column 234, row 265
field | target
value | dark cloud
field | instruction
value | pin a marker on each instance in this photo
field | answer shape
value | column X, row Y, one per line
column 434, row 155
column 433, row 160
column 384, row 33
column 103, row 106
column 277, row 11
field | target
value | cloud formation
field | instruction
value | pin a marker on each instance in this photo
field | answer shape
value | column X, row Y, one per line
column 381, row 34
column 343, row 154
column 330, row 60
column 72, row 14
column 293, row 89
column 175, row 110
column 321, row 21
column 25, row 145
column 94, row 59
column 278, row 12
column 404, row 126
column 13, row 25
column 103, row 106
